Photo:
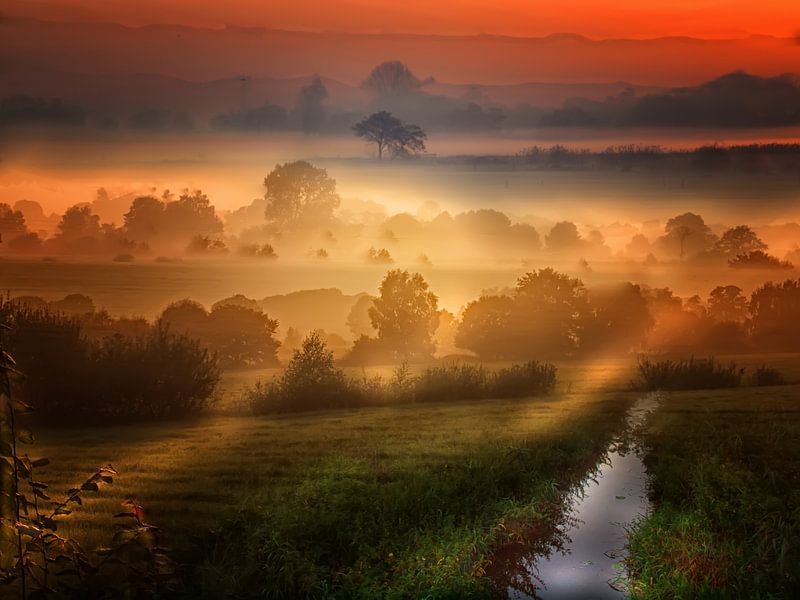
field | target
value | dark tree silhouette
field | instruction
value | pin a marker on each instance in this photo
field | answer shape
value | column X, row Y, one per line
column 758, row 259
column 774, row 309
column 309, row 105
column 687, row 235
column 727, row 304
column 739, row 240
column 390, row 134
column 299, row 193
column 391, row 78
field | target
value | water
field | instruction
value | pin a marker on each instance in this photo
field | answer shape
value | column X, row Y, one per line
column 587, row 560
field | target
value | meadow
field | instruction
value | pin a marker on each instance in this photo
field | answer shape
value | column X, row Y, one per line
column 415, row 500
column 400, row 498
column 724, row 481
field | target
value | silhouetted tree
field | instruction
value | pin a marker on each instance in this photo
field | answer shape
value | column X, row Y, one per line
column 759, row 260
column 391, row 78
column 564, row 237
column 687, row 235
column 12, row 222
column 390, row 134
column 299, row 193
column 739, row 240
column 774, row 309
column 617, row 321
column 484, row 328
column 727, row 304
column 405, row 315
column 358, row 321
column 309, row 105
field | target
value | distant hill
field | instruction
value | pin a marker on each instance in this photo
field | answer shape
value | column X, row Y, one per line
column 194, row 54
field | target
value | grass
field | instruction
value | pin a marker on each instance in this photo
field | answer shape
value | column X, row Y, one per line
column 378, row 501
column 727, row 497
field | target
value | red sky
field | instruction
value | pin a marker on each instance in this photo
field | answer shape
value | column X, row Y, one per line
column 593, row 18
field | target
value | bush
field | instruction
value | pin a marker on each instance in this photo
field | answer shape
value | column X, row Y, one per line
column 692, row 374
column 312, row 382
column 70, row 378
column 764, row 376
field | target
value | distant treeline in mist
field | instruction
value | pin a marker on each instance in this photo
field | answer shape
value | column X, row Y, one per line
column 300, row 217
column 733, row 100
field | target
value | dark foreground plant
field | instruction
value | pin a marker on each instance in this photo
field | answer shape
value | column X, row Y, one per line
column 70, row 378
column 35, row 560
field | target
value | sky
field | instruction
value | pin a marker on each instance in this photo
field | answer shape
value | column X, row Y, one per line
column 607, row 19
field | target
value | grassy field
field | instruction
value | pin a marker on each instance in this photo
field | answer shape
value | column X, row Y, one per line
column 724, row 467
column 398, row 499
column 410, row 501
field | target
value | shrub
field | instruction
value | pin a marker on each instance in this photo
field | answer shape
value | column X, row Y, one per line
column 311, row 381
column 691, row 374
column 764, row 376
column 70, row 378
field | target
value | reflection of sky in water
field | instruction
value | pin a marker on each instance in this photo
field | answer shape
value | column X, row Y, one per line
column 597, row 536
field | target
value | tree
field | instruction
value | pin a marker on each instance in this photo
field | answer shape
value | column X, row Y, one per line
column 144, row 218
column 618, row 320
column 390, row 134
column 358, row 321
column 774, row 309
column 309, row 105
column 548, row 309
column 391, row 78
column 298, row 193
column 484, row 328
column 740, row 240
column 727, row 304
column 12, row 222
column 758, row 259
column 405, row 315
column 687, row 234
column 564, row 237
column 78, row 223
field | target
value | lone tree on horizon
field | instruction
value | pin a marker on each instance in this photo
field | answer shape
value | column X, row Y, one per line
column 390, row 133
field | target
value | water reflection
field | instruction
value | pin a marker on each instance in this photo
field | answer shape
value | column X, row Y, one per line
column 585, row 555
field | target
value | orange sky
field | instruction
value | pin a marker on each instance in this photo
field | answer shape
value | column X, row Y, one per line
column 610, row 18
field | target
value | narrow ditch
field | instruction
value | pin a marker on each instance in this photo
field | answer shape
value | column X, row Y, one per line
column 584, row 556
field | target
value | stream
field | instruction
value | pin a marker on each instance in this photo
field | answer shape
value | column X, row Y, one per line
column 587, row 560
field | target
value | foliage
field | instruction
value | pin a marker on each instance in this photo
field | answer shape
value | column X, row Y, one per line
column 405, row 315
column 774, row 309
column 71, row 378
column 391, row 135
column 37, row 561
column 543, row 317
column 239, row 336
column 691, row 374
column 758, row 259
column 765, row 376
column 299, row 193
column 311, row 381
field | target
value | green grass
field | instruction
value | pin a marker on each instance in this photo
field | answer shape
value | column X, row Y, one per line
column 384, row 501
column 726, row 488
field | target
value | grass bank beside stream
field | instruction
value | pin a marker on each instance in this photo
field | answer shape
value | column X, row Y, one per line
column 726, row 491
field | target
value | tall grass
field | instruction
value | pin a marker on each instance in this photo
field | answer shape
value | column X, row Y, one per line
column 691, row 374
column 308, row 387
